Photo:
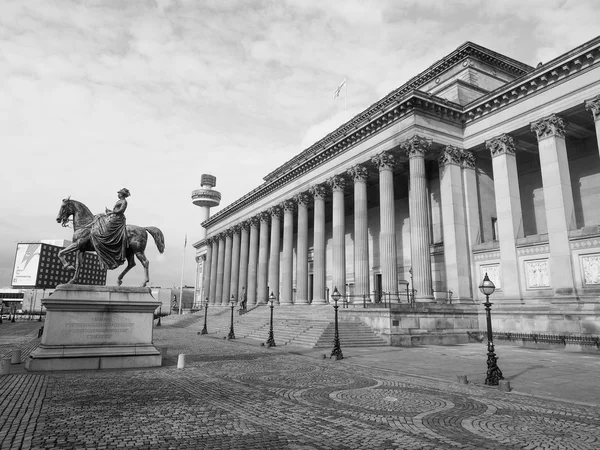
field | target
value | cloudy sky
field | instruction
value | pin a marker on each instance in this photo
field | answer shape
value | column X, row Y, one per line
column 148, row 95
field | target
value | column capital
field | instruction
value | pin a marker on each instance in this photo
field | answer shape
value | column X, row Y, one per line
column 503, row 144
column 384, row 160
column 337, row 183
column 275, row 211
column 254, row 221
column 551, row 126
column 209, row 240
column 245, row 225
column 469, row 159
column 288, row 205
column 222, row 235
column 319, row 191
column 303, row 198
column 593, row 106
column 229, row 232
column 264, row 216
column 451, row 155
column 416, row 146
column 359, row 173
column 236, row 229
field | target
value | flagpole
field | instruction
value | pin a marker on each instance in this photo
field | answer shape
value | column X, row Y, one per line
column 182, row 268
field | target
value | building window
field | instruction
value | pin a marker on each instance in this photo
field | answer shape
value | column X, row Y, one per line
column 494, row 228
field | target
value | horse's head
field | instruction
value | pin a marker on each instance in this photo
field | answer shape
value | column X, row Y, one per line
column 66, row 210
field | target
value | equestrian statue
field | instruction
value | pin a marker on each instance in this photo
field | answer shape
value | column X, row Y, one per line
column 108, row 235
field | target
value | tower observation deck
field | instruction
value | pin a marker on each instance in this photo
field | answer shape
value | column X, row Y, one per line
column 206, row 197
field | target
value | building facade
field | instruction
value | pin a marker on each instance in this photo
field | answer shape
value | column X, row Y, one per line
column 480, row 164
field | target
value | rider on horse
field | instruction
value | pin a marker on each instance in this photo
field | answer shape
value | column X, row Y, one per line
column 109, row 235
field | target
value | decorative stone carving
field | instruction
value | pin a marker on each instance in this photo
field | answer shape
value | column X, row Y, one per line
column 553, row 125
column 319, row 191
column 228, row 232
column 593, row 106
column 384, row 161
column 451, row 155
column 416, row 146
column 590, row 265
column 303, row 198
column 288, row 205
column 236, row 229
column 275, row 211
column 337, row 183
column 537, row 274
column 500, row 145
column 254, row 221
column 245, row 225
column 469, row 159
column 209, row 240
column 265, row 216
column 493, row 272
column 358, row 173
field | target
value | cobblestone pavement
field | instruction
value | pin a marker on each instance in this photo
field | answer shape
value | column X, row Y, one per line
column 233, row 395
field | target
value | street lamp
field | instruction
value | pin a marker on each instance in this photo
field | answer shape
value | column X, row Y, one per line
column 271, row 340
column 494, row 374
column 205, row 330
column 337, row 351
column 231, row 334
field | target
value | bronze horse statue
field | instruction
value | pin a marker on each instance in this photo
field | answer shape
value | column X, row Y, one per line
column 137, row 238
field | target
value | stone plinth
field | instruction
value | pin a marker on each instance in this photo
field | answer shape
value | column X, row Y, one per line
column 97, row 327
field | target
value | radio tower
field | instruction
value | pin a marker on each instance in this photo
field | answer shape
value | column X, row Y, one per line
column 205, row 197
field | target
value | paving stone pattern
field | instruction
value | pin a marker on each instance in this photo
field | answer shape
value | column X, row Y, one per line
column 232, row 395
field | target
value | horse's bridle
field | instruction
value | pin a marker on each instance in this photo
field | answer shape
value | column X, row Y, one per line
column 64, row 216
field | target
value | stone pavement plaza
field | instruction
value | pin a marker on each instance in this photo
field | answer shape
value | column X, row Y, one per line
column 239, row 395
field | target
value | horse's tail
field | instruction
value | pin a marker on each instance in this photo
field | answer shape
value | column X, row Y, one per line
column 159, row 238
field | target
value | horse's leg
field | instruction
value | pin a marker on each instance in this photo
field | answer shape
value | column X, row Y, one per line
column 66, row 251
column 78, row 264
column 130, row 265
column 142, row 258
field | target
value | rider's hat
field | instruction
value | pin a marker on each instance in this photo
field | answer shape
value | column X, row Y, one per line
column 125, row 192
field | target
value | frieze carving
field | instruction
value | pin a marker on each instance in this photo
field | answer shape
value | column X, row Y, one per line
column 585, row 243
column 469, row 159
column 337, row 183
column 537, row 274
column 303, row 198
column 500, row 145
column 553, row 125
column 487, row 255
column 318, row 192
column 359, row 173
column 288, row 206
column 523, row 251
column 275, row 211
column 593, row 106
column 416, row 146
column 590, row 265
column 384, row 160
column 451, row 155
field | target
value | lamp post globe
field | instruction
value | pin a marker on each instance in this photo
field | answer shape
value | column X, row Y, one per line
column 231, row 334
column 271, row 339
column 205, row 330
column 337, row 350
column 494, row 374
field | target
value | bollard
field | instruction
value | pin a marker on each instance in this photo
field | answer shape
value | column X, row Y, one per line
column 16, row 356
column 462, row 379
column 4, row 366
column 504, row 385
column 181, row 361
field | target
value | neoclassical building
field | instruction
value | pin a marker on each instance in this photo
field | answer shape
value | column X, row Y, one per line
column 480, row 164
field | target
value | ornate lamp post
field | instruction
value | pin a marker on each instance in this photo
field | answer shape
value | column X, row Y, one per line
column 271, row 340
column 205, row 330
column 337, row 351
column 231, row 334
column 494, row 374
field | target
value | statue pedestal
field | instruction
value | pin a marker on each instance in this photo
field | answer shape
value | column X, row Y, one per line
column 97, row 327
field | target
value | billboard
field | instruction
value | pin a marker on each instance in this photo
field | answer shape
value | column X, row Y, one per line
column 37, row 266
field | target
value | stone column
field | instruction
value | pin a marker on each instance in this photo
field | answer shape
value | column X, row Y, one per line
column 227, row 267
column 287, row 267
column 338, row 271
column 253, row 261
column 593, row 106
column 207, row 267
column 213, row 270
column 456, row 257
column 274, row 262
column 235, row 263
column 243, row 277
column 263, row 260
column 319, row 192
column 508, row 210
column 415, row 148
column 472, row 214
column 221, row 271
column 359, row 174
column 558, row 200
column 385, row 162
column 302, row 249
